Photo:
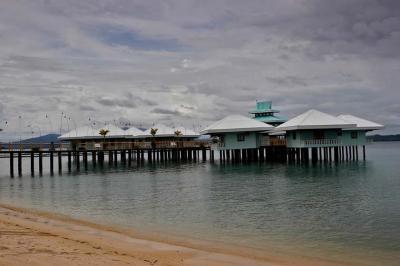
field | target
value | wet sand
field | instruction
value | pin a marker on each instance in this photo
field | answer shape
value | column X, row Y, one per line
column 36, row 238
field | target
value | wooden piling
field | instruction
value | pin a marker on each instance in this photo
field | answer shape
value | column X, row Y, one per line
column 94, row 158
column 78, row 160
column 356, row 152
column 19, row 163
column 69, row 161
column 101, row 158
column 12, row 164
column 85, row 160
column 59, row 157
column 110, row 158
column 123, row 157
column 314, row 155
column 336, row 154
column 32, row 163
column 40, row 163
column 51, row 162
column 363, row 152
column 129, row 157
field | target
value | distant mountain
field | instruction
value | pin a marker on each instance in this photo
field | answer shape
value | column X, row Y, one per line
column 43, row 139
column 384, row 137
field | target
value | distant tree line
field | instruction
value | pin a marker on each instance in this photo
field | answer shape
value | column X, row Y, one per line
column 384, row 137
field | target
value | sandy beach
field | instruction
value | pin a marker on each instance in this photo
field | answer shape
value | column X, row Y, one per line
column 36, row 238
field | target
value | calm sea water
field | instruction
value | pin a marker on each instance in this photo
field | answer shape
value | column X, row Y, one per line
column 349, row 211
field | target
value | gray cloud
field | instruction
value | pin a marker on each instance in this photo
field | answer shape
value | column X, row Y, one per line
column 165, row 111
column 288, row 81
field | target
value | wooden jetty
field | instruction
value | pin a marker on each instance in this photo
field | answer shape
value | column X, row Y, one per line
column 129, row 153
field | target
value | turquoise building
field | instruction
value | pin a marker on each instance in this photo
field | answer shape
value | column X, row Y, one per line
column 236, row 132
column 321, row 133
column 264, row 113
column 315, row 129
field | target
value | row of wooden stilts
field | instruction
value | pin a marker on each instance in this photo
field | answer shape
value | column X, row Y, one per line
column 76, row 160
column 325, row 154
column 283, row 154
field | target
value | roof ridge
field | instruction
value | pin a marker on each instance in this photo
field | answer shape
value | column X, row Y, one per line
column 306, row 116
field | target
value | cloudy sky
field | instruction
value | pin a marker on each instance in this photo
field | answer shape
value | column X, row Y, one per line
column 184, row 62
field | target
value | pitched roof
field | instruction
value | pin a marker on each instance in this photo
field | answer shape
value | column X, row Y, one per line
column 313, row 119
column 114, row 131
column 236, row 123
column 166, row 131
column 133, row 131
column 271, row 119
column 361, row 124
column 187, row 132
column 92, row 132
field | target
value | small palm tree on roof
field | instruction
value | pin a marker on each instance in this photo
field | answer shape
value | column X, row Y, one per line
column 178, row 133
column 103, row 132
column 153, row 131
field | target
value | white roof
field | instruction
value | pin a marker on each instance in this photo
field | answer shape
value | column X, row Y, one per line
column 187, row 132
column 236, row 123
column 314, row 119
column 162, row 131
column 361, row 123
column 114, row 131
column 133, row 131
column 92, row 132
column 166, row 131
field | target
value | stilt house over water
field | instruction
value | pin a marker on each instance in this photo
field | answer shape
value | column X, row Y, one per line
column 322, row 132
column 86, row 137
column 236, row 132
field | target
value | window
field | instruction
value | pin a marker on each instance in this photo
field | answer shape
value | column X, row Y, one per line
column 319, row 134
column 241, row 137
column 339, row 133
column 294, row 135
column 354, row 134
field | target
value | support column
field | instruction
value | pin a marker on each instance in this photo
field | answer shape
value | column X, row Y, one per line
column 78, row 160
column 59, row 157
column 123, row 157
column 314, row 155
column 101, row 158
column 363, row 152
column 110, row 158
column 69, row 161
column 40, row 163
column 51, row 162
column 12, row 164
column 85, row 160
column 356, row 153
column 32, row 163
column 129, row 157
column 19, row 163
column 94, row 158
column 336, row 154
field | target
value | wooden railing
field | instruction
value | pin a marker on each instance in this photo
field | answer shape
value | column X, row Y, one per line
column 321, row 142
column 144, row 145
column 278, row 142
column 34, row 146
column 103, row 145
